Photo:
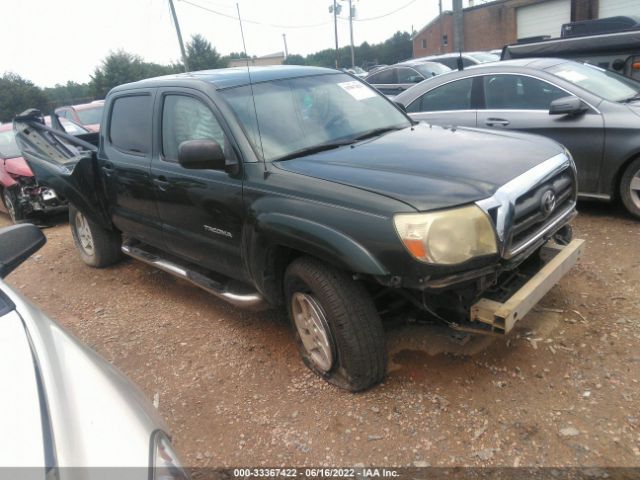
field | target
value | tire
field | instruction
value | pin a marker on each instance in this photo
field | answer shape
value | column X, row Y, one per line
column 12, row 204
column 630, row 188
column 348, row 344
column 97, row 246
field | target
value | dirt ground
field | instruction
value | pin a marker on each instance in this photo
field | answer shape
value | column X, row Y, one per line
column 562, row 390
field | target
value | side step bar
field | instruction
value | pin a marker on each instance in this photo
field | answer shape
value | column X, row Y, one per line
column 230, row 291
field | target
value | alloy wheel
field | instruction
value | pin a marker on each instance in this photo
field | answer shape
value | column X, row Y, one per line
column 8, row 202
column 84, row 234
column 634, row 189
column 313, row 329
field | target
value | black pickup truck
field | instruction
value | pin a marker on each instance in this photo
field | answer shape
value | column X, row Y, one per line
column 304, row 187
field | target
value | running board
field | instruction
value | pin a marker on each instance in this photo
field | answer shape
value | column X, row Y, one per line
column 230, row 291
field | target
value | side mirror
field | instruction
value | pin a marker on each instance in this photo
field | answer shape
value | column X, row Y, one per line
column 567, row 106
column 17, row 243
column 201, row 154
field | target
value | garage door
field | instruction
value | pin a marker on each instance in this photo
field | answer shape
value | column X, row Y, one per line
column 544, row 18
column 613, row 8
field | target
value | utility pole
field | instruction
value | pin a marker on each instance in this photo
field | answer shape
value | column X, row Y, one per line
column 335, row 9
column 286, row 52
column 175, row 21
column 353, row 55
column 440, row 20
column 458, row 26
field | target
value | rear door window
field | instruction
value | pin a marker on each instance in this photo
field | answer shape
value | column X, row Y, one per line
column 409, row 75
column 451, row 96
column 130, row 125
column 384, row 77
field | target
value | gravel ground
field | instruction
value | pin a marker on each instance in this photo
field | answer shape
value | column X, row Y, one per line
column 562, row 390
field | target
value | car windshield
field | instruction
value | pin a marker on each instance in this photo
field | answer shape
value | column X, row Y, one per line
column 483, row 57
column 307, row 113
column 606, row 84
column 8, row 146
column 91, row 115
column 432, row 68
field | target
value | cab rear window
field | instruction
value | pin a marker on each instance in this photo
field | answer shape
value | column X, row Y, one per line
column 130, row 126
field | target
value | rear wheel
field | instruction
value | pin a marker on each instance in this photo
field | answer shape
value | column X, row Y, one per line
column 337, row 329
column 630, row 188
column 97, row 246
column 12, row 204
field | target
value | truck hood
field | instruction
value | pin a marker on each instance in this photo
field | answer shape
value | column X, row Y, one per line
column 430, row 167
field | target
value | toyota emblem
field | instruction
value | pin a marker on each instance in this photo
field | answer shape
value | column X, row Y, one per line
column 548, row 202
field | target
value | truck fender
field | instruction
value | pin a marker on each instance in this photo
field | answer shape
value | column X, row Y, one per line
column 318, row 240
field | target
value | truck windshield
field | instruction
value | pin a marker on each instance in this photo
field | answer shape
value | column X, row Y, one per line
column 8, row 146
column 302, row 114
column 608, row 85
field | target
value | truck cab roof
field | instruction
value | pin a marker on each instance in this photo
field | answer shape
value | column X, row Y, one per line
column 231, row 77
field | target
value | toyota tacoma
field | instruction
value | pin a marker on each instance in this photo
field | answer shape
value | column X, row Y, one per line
column 305, row 187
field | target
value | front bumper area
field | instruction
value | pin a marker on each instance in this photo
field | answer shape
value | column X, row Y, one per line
column 502, row 316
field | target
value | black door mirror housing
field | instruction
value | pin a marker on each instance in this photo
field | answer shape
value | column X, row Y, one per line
column 569, row 105
column 201, row 154
column 17, row 243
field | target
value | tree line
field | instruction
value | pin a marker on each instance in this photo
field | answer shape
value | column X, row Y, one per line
column 17, row 93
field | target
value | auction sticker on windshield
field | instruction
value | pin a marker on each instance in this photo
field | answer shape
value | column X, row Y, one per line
column 357, row 90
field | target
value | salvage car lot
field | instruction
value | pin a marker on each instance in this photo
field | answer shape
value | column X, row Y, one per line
column 562, row 389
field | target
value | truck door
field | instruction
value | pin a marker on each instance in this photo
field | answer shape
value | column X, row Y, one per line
column 125, row 162
column 65, row 163
column 521, row 102
column 202, row 211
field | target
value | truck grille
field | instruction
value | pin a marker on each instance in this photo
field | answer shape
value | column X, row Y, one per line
column 540, row 207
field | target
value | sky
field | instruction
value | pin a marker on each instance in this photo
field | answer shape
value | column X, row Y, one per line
column 52, row 41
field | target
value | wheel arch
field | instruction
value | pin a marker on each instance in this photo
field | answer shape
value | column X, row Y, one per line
column 278, row 239
column 617, row 178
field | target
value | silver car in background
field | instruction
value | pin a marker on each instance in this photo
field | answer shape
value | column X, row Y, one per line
column 63, row 405
column 593, row 112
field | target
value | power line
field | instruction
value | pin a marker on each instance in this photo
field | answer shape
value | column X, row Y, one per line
column 233, row 17
column 385, row 14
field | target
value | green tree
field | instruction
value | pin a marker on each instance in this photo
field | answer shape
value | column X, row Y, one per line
column 295, row 60
column 17, row 95
column 68, row 94
column 201, row 55
column 122, row 67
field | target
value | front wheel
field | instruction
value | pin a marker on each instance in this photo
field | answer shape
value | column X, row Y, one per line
column 337, row 328
column 630, row 188
column 97, row 246
column 12, row 204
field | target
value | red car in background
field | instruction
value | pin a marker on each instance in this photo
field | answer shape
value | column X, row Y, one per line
column 88, row 115
column 21, row 194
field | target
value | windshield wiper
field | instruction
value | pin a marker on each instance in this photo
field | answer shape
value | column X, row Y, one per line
column 633, row 98
column 375, row 132
column 315, row 149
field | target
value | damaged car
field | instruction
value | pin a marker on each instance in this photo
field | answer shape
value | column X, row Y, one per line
column 304, row 188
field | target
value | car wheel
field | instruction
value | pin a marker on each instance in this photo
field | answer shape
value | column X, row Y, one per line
column 337, row 328
column 97, row 246
column 630, row 188
column 12, row 204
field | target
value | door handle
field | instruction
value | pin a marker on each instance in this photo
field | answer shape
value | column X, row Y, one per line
column 492, row 122
column 161, row 182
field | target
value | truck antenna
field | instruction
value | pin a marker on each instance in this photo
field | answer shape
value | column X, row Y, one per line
column 253, row 97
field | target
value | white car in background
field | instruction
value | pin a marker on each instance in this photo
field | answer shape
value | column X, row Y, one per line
column 62, row 404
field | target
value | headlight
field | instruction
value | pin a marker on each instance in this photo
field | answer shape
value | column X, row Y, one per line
column 448, row 236
column 165, row 463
